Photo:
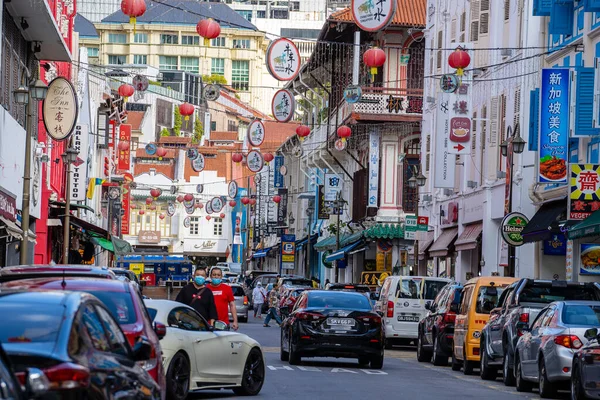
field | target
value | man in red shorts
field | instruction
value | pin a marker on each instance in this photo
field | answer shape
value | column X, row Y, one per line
column 224, row 300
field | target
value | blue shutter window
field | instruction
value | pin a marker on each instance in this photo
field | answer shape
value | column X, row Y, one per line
column 542, row 8
column 591, row 5
column 534, row 119
column 561, row 19
column 584, row 103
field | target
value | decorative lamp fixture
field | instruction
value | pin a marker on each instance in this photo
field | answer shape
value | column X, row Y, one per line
column 421, row 180
column 459, row 59
column 412, row 182
column 161, row 152
column 237, row 157
column 180, row 198
column 268, row 157
column 186, row 109
column 504, row 148
column 222, row 215
column 21, row 95
column 39, row 90
column 245, row 201
column 149, row 200
column 344, row 132
column 518, row 144
column 208, row 217
column 126, row 91
column 374, row 58
column 141, row 212
column 133, row 9
column 188, row 197
column 277, row 198
column 161, row 216
column 302, row 131
column 155, row 193
column 232, row 203
column 208, row 29
column 124, row 145
column 252, row 202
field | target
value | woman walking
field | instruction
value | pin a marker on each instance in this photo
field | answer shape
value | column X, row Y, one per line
column 258, row 298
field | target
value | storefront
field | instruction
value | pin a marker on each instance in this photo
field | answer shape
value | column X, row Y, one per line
column 442, row 250
column 10, row 233
column 331, row 255
column 425, row 260
column 583, row 250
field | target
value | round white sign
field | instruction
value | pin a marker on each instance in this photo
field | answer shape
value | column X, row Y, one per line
column 283, row 59
column 198, row 163
column 257, row 178
column 283, row 170
column 256, row 133
column 199, row 188
column 255, row 161
column 283, row 105
column 208, row 207
column 373, row 15
column 190, row 210
column 232, row 189
column 170, row 209
column 212, row 92
column 60, row 109
column 186, row 222
column 340, row 145
column 217, row 204
column 140, row 83
column 192, row 153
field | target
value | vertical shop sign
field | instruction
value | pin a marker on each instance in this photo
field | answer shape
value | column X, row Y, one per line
column 124, row 155
column 444, row 162
column 373, row 191
column 584, row 190
column 126, row 211
column 79, row 166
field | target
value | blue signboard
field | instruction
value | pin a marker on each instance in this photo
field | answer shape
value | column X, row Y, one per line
column 554, row 126
column 238, row 251
column 556, row 245
column 278, row 178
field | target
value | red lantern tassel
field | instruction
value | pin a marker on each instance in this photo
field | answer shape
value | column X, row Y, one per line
column 206, row 42
column 132, row 21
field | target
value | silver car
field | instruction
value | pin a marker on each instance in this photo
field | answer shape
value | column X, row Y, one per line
column 544, row 353
column 241, row 303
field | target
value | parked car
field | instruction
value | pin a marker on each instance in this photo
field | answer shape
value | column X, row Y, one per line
column 293, row 282
column 35, row 271
column 544, row 354
column 585, row 370
column 520, row 304
column 31, row 384
column 241, row 303
column 288, row 300
column 479, row 297
column 333, row 324
column 77, row 343
column 402, row 305
column 265, row 279
column 198, row 356
column 436, row 329
column 125, row 304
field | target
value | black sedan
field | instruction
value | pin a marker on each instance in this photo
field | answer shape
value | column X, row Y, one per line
column 32, row 384
column 333, row 324
column 585, row 372
column 75, row 341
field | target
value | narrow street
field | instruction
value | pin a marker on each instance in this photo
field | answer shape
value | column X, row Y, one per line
column 343, row 378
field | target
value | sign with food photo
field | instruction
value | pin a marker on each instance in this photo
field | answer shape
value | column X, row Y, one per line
column 554, row 126
column 590, row 259
column 584, row 193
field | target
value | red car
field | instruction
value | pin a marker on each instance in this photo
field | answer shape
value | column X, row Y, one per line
column 124, row 302
column 289, row 298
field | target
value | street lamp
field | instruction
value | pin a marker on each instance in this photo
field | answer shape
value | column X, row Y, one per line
column 68, row 157
column 513, row 144
column 416, row 182
column 21, row 95
column 39, row 90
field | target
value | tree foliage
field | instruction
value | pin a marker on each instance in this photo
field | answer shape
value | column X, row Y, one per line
column 214, row 79
column 198, row 130
column 177, row 122
column 165, row 132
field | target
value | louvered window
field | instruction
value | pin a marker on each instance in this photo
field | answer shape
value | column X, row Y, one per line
column 502, row 129
column 517, row 110
column 453, row 31
column 474, row 20
column 494, row 122
column 506, row 10
column 428, row 143
column 484, row 17
column 474, row 133
column 439, row 52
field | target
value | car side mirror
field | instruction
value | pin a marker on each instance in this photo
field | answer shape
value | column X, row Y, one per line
column 142, row 350
column 591, row 333
column 160, row 330
column 37, row 384
column 220, row 326
column 454, row 307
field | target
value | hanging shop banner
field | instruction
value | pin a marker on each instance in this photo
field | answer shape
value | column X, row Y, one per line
column 556, row 245
column 198, row 163
column 282, row 207
column 237, row 236
column 512, row 226
column 444, row 162
column 283, row 105
column 554, row 125
column 589, row 258
column 60, row 109
column 333, row 185
column 584, row 193
column 278, row 176
column 322, row 209
column 208, row 208
column 373, row 15
column 254, row 161
column 124, row 163
column 373, row 191
column 232, row 189
column 256, row 133
column 460, row 110
column 79, row 166
column 140, row 83
column 170, row 209
column 217, row 204
column 192, row 153
column 283, row 59
column 126, row 204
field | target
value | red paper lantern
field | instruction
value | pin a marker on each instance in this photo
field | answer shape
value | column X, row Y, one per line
column 232, row 203
column 180, row 198
column 222, row 215
column 161, row 152
column 161, row 216
column 155, row 193
column 208, row 217
column 152, row 207
column 186, row 109
column 268, row 157
column 344, row 132
column 126, row 91
column 302, row 131
column 142, row 212
column 237, row 157
column 188, row 197
column 208, row 29
column 277, row 198
column 459, row 59
column 198, row 205
column 123, row 145
column 374, row 58
column 149, row 200
column 252, row 202
column 133, row 9
column 245, row 201
column 133, row 206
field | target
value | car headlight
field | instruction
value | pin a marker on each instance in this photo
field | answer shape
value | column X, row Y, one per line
column 148, row 364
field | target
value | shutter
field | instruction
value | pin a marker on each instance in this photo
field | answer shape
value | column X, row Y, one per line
column 453, row 31
column 597, row 93
column 474, row 20
column 534, row 120
column 591, row 5
column 473, row 142
column 494, row 122
column 483, row 23
column 542, row 8
column 584, row 98
column 506, row 10
column 517, row 108
column 561, row 19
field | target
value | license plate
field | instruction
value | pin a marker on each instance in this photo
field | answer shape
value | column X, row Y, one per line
column 408, row 318
column 340, row 322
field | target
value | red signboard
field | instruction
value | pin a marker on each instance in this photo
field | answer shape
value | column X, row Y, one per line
column 150, row 279
column 126, row 212
column 8, row 206
column 124, row 156
column 423, row 221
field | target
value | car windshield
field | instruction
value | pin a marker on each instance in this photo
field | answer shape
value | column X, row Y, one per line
column 409, row 288
column 297, row 282
column 581, row 314
column 339, row 300
column 487, row 299
column 22, row 323
column 119, row 304
column 237, row 291
column 549, row 294
column 432, row 288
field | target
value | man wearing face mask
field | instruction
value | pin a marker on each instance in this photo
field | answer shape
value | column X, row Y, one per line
column 199, row 297
column 224, row 299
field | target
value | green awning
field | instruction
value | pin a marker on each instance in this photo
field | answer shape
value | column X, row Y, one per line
column 325, row 243
column 588, row 227
column 73, row 206
column 121, row 247
column 329, row 243
column 104, row 243
column 385, row 231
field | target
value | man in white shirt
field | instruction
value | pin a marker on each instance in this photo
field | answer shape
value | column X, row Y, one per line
column 258, row 298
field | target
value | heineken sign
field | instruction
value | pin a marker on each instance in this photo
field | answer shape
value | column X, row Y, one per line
column 512, row 226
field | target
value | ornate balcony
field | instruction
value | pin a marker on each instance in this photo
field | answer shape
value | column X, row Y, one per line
column 388, row 104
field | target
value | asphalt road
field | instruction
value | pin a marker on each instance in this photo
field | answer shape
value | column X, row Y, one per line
column 326, row 378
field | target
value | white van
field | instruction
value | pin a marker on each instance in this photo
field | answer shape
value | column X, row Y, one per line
column 402, row 305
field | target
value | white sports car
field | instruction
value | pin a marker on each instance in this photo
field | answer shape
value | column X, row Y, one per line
column 197, row 356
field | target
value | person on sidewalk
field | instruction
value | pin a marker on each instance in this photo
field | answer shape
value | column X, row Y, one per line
column 224, row 299
column 273, row 304
column 259, row 296
column 199, row 297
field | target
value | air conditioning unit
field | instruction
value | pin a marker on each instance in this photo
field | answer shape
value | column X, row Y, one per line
column 500, row 174
column 471, row 184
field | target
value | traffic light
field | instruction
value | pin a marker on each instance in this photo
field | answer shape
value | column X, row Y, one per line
column 106, row 167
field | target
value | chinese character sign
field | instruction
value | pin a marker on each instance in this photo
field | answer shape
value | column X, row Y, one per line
column 373, row 15
column 554, row 126
column 126, row 205
column 124, row 155
column 283, row 105
column 584, row 194
column 373, row 189
column 283, row 59
column 60, row 109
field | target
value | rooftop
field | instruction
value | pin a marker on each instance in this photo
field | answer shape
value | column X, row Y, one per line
column 84, row 27
column 408, row 13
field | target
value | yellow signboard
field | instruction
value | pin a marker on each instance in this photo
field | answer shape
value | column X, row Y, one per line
column 373, row 278
column 137, row 269
column 287, row 258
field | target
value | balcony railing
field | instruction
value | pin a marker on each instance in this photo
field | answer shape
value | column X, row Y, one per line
column 389, row 101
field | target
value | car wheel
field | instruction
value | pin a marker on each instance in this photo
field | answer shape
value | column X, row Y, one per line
column 456, row 365
column 485, row 372
column 521, row 384
column 438, row 359
column 243, row 319
column 253, row 376
column 547, row 388
column 377, row 362
column 294, row 358
column 283, row 355
column 388, row 344
column 576, row 387
column 178, row 377
column 422, row 354
column 508, row 376
column 363, row 360
column 467, row 365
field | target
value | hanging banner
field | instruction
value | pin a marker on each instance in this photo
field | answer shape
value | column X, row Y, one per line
column 283, row 105
column 373, row 191
column 79, row 166
column 322, row 209
column 333, row 185
column 60, row 109
column 254, row 161
column 371, row 15
column 256, row 133
column 198, row 163
column 237, row 236
column 124, row 163
column 554, row 125
column 126, row 210
column 283, row 59
column 217, row 204
column 232, row 189
column 584, row 190
column 443, row 162
column 282, row 207
column 278, row 177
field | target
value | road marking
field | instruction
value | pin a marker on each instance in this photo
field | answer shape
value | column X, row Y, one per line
column 331, row 370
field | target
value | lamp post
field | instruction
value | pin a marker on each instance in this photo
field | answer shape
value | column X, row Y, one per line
column 68, row 157
column 416, row 182
column 310, row 210
column 513, row 144
column 24, row 96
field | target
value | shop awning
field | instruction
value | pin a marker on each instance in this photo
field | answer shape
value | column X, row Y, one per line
column 385, row 231
column 588, row 227
column 260, row 254
column 121, row 247
column 329, row 243
column 424, row 245
column 86, row 226
column 544, row 222
column 301, row 243
column 440, row 247
column 73, row 206
column 104, row 243
column 341, row 253
column 469, row 238
column 12, row 229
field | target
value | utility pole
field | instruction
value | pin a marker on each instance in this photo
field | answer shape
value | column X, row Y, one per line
column 337, row 234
